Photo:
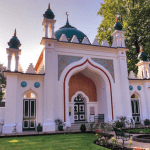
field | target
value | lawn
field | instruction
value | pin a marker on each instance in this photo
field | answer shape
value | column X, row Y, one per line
column 51, row 142
column 137, row 131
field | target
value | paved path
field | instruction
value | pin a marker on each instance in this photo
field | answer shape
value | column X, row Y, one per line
column 134, row 143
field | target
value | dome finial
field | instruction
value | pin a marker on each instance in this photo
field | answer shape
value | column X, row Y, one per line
column 15, row 34
column 49, row 6
column 116, row 19
column 67, row 15
column 141, row 49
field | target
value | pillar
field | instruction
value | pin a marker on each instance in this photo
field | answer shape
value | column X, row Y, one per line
column 118, row 40
column 46, row 29
column 17, row 61
column 144, row 71
column 9, row 61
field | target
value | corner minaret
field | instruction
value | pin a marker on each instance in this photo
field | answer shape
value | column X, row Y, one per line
column 143, row 65
column 49, row 22
column 118, row 35
column 13, row 49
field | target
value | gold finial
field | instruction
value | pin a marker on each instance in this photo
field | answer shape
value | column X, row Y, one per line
column 116, row 19
column 141, row 49
column 67, row 15
column 15, row 35
column 49, row 6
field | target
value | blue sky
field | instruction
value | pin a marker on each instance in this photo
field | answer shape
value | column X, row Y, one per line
column 27, row 16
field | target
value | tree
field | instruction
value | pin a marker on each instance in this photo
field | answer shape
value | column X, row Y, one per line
column 2, row 81
column 135, row 18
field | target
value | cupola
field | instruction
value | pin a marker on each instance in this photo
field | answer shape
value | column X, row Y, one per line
column 14, row 42
column 142, row 56
column 118, row 35
column 70, row 32
column 49, row 14
column 117, row 26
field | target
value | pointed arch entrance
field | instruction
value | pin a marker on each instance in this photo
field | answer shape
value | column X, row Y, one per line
column 99, row 71
column 135, row 104
column 29, row 111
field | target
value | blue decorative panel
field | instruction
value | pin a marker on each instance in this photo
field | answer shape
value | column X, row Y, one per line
column 131, row 87
column 139, row 88
column 36, row 84
column 23, row 84
column 64, row 61
column 107, row 63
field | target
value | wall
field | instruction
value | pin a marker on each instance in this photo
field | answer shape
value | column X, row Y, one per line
column 79, row 82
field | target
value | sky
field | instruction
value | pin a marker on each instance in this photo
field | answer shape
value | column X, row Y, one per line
column 27, row 16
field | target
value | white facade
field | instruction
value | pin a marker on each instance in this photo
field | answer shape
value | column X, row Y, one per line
column 49, row 83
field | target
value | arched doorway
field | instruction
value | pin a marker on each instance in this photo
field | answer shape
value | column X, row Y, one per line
column 29, row 111
column 79, row 108
column 135, row 108
column 93, row 72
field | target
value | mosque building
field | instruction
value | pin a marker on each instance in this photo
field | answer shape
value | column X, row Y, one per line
column 73, row 80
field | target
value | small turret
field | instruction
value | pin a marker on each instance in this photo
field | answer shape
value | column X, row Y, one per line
column 142, row 56
column 14, row 42
column 49, row 14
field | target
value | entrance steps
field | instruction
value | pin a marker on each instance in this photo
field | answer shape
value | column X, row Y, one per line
column 76, row 126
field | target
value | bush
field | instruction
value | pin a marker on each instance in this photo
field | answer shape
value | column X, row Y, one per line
column 120, row 122
column 83, row 128
column 39, row 128
column 146, row 122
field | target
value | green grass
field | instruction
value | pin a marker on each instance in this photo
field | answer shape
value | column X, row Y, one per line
column 51, row 142
column 144, row 130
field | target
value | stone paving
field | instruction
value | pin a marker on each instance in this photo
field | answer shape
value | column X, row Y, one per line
column 134, row 143
column 126, row 143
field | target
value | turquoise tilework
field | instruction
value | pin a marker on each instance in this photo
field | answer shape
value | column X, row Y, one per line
column 64, row 61
column 107, row 63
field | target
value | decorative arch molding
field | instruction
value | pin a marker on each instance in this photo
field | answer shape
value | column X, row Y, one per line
column 87, row 62
column 29, row 90
column 107, row 63
column 136, row 93
column 79, row 92
column 64, row 61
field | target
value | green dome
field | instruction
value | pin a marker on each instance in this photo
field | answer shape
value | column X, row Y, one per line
column 118, row 26
column 69, row 32
column 14, row 42
column 142, row 56
column 49, row 14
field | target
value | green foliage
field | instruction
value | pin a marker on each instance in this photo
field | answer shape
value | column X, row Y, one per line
column 135, row 18
column 59, row 122
column 2, row 85
column 83, row 128
column 120, row 122
column 146, row 122
column 39, row 127
column 138, row 130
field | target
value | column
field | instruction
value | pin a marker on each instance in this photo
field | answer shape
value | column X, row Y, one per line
column 118, row 40
column 52, row 30
column 144, row 71
column 148, row 72
column 46, row 29
column 125, row 87
column 17, row 60
column 122, row 41
column 9, row 61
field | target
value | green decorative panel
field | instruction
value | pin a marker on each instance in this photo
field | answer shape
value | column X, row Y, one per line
column 107, row 63
column 64, row 61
